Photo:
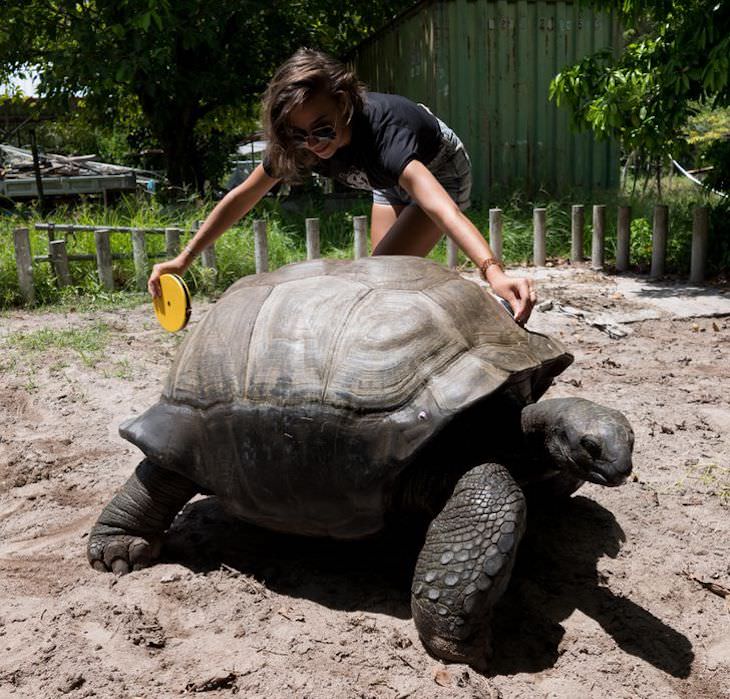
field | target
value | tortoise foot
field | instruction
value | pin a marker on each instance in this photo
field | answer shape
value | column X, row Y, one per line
column 128, row 535
column 475, row 654
column 465, row 564
column 120, row 552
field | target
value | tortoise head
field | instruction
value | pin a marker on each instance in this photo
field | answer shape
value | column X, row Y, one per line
column 583, row 438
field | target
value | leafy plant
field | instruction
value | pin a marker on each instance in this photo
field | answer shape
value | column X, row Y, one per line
column 676, row 58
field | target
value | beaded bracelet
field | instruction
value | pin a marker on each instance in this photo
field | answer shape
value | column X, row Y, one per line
column 486, row 264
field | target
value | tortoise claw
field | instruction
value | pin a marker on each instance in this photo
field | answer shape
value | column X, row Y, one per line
column 476, row 654
column 121, row 553
column 120, row 566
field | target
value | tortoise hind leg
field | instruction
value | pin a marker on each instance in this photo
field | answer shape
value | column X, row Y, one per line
column 465, row 564
column 128, row 534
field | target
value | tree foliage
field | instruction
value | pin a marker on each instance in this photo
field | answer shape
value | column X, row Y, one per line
column 190, row 67
column 676, row 58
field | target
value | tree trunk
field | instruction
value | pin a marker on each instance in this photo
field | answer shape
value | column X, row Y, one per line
column 174, row 126
column 182, row 159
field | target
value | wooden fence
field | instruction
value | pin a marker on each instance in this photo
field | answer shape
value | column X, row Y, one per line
column 59, row 257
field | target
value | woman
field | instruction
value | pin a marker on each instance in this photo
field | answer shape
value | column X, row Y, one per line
column 319, row 118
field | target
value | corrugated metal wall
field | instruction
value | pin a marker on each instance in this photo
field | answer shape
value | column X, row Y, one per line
column 484, row 67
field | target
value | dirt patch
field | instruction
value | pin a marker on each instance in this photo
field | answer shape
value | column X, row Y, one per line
column 618, row 593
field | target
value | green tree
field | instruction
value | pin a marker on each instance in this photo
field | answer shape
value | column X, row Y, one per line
column 185, row 63
column 676, row 58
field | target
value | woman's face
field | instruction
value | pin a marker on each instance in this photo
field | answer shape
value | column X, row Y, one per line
column 319, row 126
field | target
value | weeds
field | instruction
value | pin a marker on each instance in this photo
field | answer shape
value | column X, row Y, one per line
column 89, row 343
column 711, row 478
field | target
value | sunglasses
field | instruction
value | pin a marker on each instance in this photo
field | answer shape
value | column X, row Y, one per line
column 319, row 135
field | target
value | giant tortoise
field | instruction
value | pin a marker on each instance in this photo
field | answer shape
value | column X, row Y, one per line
column 327, row 397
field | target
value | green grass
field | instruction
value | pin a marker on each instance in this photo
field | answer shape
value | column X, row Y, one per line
column 88, row 343
column 235, row 249
column 710, row 478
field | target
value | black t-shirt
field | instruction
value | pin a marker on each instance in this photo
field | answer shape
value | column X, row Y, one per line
column 389, row 133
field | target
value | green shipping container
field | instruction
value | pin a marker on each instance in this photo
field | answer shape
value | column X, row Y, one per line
column 484, row 67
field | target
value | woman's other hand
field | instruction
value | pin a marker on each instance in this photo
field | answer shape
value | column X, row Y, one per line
column 519, row 292
column 178, row 265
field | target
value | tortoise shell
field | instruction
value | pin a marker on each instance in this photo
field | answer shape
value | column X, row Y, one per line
column 304, row 393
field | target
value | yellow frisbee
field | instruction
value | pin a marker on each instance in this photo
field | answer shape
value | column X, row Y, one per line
column 173, row 307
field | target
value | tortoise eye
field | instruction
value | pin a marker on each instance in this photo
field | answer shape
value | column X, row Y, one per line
column 591, row 446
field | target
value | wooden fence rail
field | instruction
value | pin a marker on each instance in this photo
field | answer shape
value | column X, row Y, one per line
column 59, row 257
column 73, row 227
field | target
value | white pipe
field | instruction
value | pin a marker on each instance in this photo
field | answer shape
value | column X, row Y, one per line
column 694, row 179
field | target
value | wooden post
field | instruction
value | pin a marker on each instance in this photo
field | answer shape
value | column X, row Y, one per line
column 210, row 270
column 24, row 264
column 659, row 240
column 261, row 246
column 312, row 229
column 495, row 232
column 623, row 238
column 599, row 236
column 140, row 259
column 208, row 258
column 452, row 253
column 538, row 239
column 700, row 234
column 59, row 260
column 360, row 224
column 104, row 259
column 51, row 237
column 577, row 224
column 172, row 242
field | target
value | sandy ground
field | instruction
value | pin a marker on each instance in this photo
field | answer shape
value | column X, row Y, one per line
column 617, row 593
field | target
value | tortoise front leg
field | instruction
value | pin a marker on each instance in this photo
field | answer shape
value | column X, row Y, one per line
column 128, row 534
column 465, row 564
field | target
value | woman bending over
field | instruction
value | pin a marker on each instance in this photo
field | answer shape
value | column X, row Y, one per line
column 319, row 118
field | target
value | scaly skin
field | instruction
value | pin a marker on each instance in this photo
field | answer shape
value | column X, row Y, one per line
column 465, row 564
column 128, row 534
column 579, row 438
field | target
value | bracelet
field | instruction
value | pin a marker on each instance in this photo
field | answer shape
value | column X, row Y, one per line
column 486, row 264
column 189, row 251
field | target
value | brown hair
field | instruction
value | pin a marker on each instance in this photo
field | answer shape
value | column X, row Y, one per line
column 305, row 74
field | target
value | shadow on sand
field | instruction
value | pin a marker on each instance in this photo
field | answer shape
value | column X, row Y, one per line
column 672, row 288
column 555, row 574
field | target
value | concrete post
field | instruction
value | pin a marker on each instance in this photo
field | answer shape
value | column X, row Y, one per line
column 599, row 236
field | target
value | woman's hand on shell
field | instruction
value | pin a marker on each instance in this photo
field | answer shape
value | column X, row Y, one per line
column 519, row 292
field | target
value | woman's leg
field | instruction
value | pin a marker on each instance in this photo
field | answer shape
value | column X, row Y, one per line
column 411, row 231
column 383, row 216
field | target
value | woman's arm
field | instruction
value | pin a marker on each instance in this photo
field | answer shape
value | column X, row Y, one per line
column 234, row 206
column 425, row 189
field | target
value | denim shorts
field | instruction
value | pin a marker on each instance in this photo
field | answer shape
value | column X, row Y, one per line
column 450, row 166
